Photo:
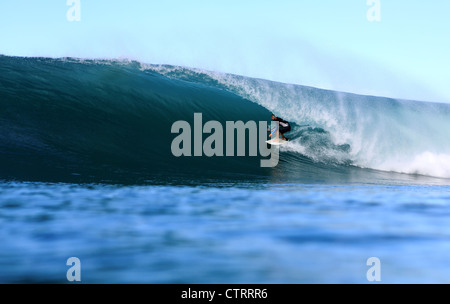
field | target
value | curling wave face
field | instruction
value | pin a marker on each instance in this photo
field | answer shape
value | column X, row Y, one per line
column 369, row 132
column 102, row 120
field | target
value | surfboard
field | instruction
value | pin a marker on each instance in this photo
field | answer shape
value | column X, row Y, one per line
column 276, row 142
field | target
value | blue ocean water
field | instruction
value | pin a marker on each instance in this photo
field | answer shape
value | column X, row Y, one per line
column 224, row 233
column 80, row 177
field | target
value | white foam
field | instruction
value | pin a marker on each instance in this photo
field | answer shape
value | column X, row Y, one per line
column 426, row 163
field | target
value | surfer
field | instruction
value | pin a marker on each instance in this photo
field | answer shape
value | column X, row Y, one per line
column 284, row 126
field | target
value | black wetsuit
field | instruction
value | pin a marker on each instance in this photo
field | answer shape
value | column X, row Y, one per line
column 284, row 125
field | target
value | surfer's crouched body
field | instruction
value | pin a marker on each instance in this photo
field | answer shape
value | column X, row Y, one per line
column 284, row 126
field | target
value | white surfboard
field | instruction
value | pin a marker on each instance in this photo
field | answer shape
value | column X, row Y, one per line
column 276, row 142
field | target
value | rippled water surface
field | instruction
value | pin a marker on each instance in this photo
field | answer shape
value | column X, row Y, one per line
column 223, row 233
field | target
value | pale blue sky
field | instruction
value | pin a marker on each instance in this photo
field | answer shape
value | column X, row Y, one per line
column 322, row 43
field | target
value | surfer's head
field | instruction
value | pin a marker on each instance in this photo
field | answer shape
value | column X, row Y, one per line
column 273, row 116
